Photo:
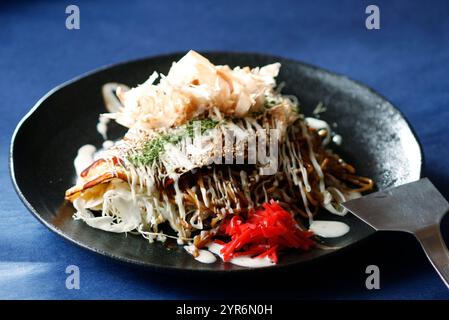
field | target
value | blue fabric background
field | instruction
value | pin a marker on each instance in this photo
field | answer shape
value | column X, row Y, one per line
column 407, row 61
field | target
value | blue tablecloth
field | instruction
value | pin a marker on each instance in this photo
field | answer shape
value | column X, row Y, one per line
column 407, row 61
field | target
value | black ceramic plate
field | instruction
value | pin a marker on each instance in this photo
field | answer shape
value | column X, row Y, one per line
column 376, row 138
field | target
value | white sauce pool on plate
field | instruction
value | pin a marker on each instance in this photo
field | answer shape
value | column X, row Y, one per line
column 107, row 144
column 337, row 139
column 84, row 158
column 243, row 261
column 329, row 229
column 204, row 256
column 318, row 125
column 102, row 127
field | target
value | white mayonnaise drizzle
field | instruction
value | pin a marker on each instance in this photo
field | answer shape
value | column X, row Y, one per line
column 329, row 229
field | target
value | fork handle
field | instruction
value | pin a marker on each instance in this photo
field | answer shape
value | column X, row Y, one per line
column 433, row 244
